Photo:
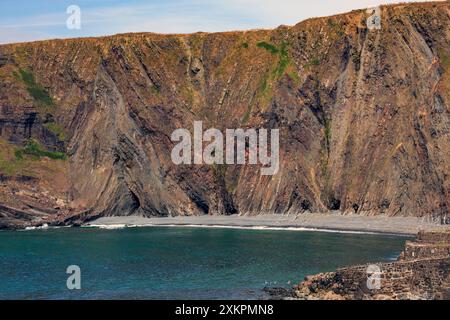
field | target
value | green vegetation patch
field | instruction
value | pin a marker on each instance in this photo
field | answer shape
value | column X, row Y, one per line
column 445, row 59
column 9, row 164
column 34, row 148
column 269, row 47
column 284, row 60
column 336, row 27
column 27, row 161
column 155, row 89
column 34, row 89
column 247, row 114
column 56, row 129
column 284, row 66
column 42, row 100
column 313, row 62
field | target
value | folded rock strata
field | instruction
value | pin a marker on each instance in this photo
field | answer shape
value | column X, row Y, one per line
column 85, row 124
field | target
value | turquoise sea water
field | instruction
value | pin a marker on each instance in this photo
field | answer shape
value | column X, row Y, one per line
column 175, row 262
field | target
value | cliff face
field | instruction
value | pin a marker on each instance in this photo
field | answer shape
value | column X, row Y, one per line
column 85, row 124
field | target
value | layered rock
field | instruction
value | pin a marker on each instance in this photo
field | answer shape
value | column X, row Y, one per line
column 363, row 118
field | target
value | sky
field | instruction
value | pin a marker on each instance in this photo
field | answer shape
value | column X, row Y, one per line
column 29, row 20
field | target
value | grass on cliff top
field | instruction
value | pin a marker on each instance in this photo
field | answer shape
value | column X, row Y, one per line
column 39, row 94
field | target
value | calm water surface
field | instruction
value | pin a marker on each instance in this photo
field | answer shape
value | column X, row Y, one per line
column 175, row 262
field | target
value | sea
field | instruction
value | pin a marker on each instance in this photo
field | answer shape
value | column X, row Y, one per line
column 175, row 262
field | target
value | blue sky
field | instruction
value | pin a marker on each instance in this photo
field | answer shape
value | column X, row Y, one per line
column 27, row 20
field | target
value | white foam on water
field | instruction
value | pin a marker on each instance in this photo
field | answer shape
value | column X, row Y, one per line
column 108, row 226
column 261, row 228
column 44, row 226
column 121, row 226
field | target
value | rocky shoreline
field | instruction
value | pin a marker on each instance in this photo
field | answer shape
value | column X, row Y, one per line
column 421, row 272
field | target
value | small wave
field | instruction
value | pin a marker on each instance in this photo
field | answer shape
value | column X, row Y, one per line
column 218, row 226
column 108, row 226
column 44, row 226
column 262, row 228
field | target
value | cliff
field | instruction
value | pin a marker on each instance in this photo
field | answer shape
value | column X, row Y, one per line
column 85, row 124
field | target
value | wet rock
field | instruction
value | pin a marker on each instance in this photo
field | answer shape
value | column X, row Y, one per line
column 422, row 271
column 278, row 293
